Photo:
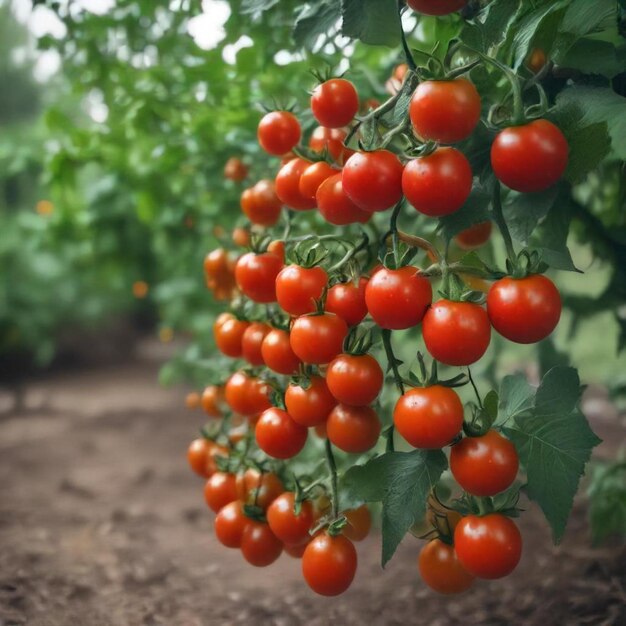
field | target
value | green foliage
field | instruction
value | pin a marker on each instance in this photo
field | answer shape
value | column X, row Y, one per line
column 607, row 494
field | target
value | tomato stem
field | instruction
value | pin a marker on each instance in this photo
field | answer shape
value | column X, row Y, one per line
column 410, row 61
column 419, row 242
column 393, row 363
column 332, row 467
column 498, row 216
column 469, row 375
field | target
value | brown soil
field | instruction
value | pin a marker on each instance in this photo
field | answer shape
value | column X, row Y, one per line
column 101, row 524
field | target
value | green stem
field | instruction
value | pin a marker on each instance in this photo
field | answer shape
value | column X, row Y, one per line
column 393, row 229
column 469, row 374
column 332, row 467
column 410, row 61
column 393, row 363
column 498, row 216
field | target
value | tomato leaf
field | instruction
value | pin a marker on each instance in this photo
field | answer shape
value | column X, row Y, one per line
column 516, row 397
column 474, row 211
column 524, row 211
column 315, row 20
column 375, row 22
column 257, row 6
column 402, row 482
column 491, row 26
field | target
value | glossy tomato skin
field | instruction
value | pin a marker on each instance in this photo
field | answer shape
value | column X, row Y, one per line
column 258, row 489
column 259, row 546
column 335, row 102
column 197, row 456
column 429, row 417
column 524, row 310
column 297, row 288
column 485, row 465
column 288, row 185
column 335, row 206
column 359, row 523
column 347, row 300
column 290, row 528
column 312, row 405
column 353, row 429
column 313, row 176
column 212, row 399
column 530, row 158
column 296, row 551
column 229, row 336
column 278, row 132
column 219, row 490
column 355, row 379
column 260, row 203
column 331, row 139
column 446, row 111
column 235, row 170
column 438, row 184
column 436, row 7
column 256, row 276
column 251, row 342
column 278, row 435
column 441, row 570
column 246, row 395
column 373, row 180
column 398, row 299
column 456, row 333
column 329, row 564
column 318, row 339
column 277, row 353
column 474, row 236
column 488, row 547
column 230, row 523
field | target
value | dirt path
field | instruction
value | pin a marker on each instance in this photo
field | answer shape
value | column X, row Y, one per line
column 101, row 524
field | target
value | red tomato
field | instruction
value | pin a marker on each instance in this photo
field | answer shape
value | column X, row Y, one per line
column 309, row 405
column 258, row 489
column 353, row 429
column 288, row 185
column 335, row 206
column 474, row 236
column 529, row 158
column 355, row 380
column 436, row 7
column 329, row 564
column 246, row 395
column 278, row 435
column 359, row 523
column 295, row 551
column 330, row 139
column 278, row 132
column 260, row 203
column 198, row 454
column 438, row 184
column 229, row 336
column 440, row 568
column 398, row 299
column 235, row 170
column 429, row 417
column 318, row 339
column 241, row 237
column 484, row 466
column 256, row 275
column 446, row 111
column 277, row 353
column 373, row 180
column 524, row 310
column 347, row 300
column 290, row 528
column 313, row 176
column 489, row 546
column 297, row 288
column 230, row 523
column 277, row 247
column 456, row 333
column 335, row 103
column 212, row 399
column 251, row 342
column 259, row 546
column 219, row 490
column 216, row 263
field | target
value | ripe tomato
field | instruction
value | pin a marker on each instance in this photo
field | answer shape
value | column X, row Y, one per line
column 219, row 490
column 335, row 103
column 440, row 568
column 489, row 546
column 438, row 184
column 398, row 299
column 278, row 435
column 309, row 406
column 211, row 400
column 192, row 400
column 353, row 429
column 288, row 185
column 258, row 489
column 246, row 395
column 221, row 318
column 347, row 300
column 429, row 417
column 259, row 546
column 197, row 455
column 230, row 523
column 330, row 139
column 436, row 7
column 241, row 237
column 456, row 333
column 355, row 380
column 313, row 176
column 256, row 275
column 359, row 523
column 295, row 551
column 278, row 132
column 235, row 170
column 318, row 339
column 486, row 465
column 216, row 263
column 290, row 528
column 277, row 247
column 529, row 158
column 474, row 236
column 260, row 203
column 214, row 451
column 373, row 180
column 524, row 310
column 251, row 342
column 536, row 60
column 329, row 564
column 335, row 206
column 446, row 111
column 297, row 288
column 277, row 353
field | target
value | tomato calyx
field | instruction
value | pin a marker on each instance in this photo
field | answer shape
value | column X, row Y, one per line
column 430, row 378
column 504, row 503
column 439, row 521
column 359, row 341
column 527, row 262
column 254, row 512
column 308, row 253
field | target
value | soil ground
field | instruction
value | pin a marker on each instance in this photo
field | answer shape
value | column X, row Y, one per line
column 102, row 524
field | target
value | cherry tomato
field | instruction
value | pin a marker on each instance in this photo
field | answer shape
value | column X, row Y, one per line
column 335, row 103
column 241, row 237
column 486, row 465
column 277, row 248
column 353, row 429
column 529, row 158
column 235, row 170
column 373, row 180
column 278, row 435
column 456, row 333
column 277, row 353
column 446, row 111
column 489, row 546
column 438, row 184
column 436, row 7
column 256, row 275
column 211, row 400
column 192, row 400
column 260, row 203
column 355, row 379
column 246, row 395
column 197, row 455
column 252, row 341
column 221, row 318
column 329, row 564
column 216, row 262
column 347, row 300
column 290, row 528
column 359, row 523
column 524, row 310
column 230, row 523
column 440, row 568
column 398, row 299
column 330, row 139
column 258, row 489
column 297, row 288
column 288, row 185
column 295, row 551
column 214, row 451
column 536, row 60
column 259, row 546
column 219, row 490
column 318, row 339
column 429, row 417
column 309, row 405
column 278, row 132
column 313, row 176
column 335, row 206
column 474, row 236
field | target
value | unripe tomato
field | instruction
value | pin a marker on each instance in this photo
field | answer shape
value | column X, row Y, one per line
column 335, row 206
column 329, row 564
column 252, row 341
column 318, row 339
column 278, row 132
column 256, row 275
column 353, row 429
column 297, row 288
column 313, row 176
column 277, row 353
column 219, row 490
column 441, row 570
column 359, row 523
column 309, row 405
column 335, row 103
column 235, row 170
column 278, row 435
column 212, row 398
column 355, row 380
column 331, row 139
column 260, row 203
column 474, row 236
column 230, row 523
column 246, row 395
column 347, row 300
column 197, row 456
column 288, row 185
column 290, row 528
column 259, row 546
column 258, row 489
column 436, row 7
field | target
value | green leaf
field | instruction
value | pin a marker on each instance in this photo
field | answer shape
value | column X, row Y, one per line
column 525, row 210
column 592, row 56
column 315, row 20
column 491, row 26
column 474, row 211
column 402, row 481
column 375, row 22
column 257, row 6
column 516, row 397
column 588, row 148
